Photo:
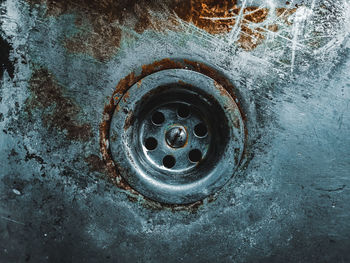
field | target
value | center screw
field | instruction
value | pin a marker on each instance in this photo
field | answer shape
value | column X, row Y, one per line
column 176, row 136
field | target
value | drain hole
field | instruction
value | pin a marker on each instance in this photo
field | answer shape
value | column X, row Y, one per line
column 183, row 111
column 158, row 118
column 151, row 143
column 195, row 155
column 169, row 161
column 200, row 130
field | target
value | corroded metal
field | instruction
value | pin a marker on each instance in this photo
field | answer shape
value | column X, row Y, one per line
column 286, row 65
column 223, row 85
column 182, row 179
column 108, row 17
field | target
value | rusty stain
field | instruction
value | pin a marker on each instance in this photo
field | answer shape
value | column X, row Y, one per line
column 96, row 44
column 203, row 12
column 99, row 23
column 285, row 13
column 273, row 28
column 117, row 108
column 114, row 170
column 95, row 163
column 255, row 14
column 129, row 120
column 219, row 17
column 223, row 92
column 126, row 96
column 58, row 111
column 159, row 65
column 181, row 82
column 128, row 81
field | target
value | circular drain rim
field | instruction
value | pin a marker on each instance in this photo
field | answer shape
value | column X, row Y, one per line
column 116, row 171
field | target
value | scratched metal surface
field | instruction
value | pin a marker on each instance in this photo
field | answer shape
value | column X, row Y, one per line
column 60, row 63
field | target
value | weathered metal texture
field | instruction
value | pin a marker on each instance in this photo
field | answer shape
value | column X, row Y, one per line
column 185, row 183
column 289, row 66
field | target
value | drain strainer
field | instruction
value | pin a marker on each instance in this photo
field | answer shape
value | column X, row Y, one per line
column 176, row 136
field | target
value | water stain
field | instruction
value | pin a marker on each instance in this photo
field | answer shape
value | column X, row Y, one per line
column 105, row 19
column 95, row 164
column 58, row 112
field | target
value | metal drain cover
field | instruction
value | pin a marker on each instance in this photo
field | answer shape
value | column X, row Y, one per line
column 176, row 136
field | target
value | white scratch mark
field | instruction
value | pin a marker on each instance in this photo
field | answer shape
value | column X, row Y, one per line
column 11, row 220
column 300, row 16
column 16, row 191
column 233, row 36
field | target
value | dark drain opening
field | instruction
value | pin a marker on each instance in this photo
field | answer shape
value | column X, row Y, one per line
column 151, row 143
column 158, row 118
column 195, row 155
column 183, row 111
column 200, row 130
column 169, row 161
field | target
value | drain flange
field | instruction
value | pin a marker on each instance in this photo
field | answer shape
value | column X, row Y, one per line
column 176, row 136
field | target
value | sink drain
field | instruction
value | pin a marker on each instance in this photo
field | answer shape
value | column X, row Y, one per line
column 176, row 136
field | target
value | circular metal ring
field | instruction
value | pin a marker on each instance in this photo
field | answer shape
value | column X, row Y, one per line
column 177, row 136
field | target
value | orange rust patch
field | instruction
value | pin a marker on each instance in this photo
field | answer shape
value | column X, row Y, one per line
column 129, row 120
column 128, row 81
column 206, row 14
column 285, row 13
column 99, row 22
column 251, row 38
column 223, row 92
column 273, row 28
column 255, row 14
column 57, row 110
column 95, row 163
column 219, row 17
column 126, row 96
column 160, row 65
